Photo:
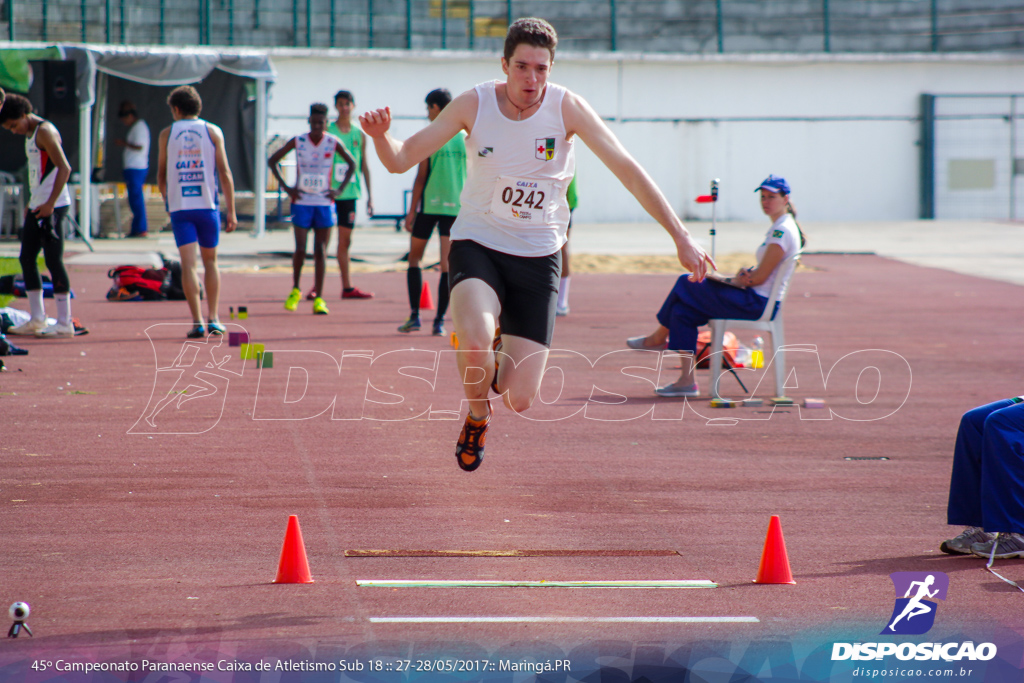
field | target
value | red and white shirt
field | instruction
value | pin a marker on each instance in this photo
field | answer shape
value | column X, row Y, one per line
column 42, row 174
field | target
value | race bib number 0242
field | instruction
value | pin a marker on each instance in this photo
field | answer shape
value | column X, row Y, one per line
column 522, row 200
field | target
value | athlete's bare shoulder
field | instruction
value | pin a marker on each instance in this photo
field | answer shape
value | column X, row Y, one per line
column 578, row 115
column 214, row 129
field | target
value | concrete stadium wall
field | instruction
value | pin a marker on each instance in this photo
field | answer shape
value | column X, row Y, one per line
column 843, row 129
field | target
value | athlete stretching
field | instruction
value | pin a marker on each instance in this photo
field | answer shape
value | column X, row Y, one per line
column 505, row 251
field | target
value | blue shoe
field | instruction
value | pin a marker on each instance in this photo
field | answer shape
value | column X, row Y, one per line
column 197, row 332
column 411, row 324
column 438, row 328
column 215, row 327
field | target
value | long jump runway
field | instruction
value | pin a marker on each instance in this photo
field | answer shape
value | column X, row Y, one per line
column 124, row 534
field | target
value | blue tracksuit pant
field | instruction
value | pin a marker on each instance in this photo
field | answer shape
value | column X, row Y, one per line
column 134, row 178
column 987, row 485
column 692, row 304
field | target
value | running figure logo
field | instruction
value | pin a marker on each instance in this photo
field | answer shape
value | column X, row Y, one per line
column 914, row 613
column 190, row 384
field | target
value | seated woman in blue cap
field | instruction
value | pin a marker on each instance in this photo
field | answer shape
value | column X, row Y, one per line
column 691, row 304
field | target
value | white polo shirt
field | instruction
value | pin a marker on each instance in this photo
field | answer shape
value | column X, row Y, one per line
column 138, row 134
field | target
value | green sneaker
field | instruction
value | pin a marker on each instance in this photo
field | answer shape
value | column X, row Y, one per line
column 319, row 307
column 292, row 302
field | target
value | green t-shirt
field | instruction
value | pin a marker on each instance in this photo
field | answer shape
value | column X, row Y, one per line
column 446, row 177
column 353, row 141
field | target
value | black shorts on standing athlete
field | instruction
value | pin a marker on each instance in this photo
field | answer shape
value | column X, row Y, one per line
column 423, row 226
column 346, row 210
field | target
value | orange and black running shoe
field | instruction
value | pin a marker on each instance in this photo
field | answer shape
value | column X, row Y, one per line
column 469, row 450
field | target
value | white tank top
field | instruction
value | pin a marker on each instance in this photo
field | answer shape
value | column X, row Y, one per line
column 314, row 163
column 191, row 167
column 42, row 174
column 517, row 174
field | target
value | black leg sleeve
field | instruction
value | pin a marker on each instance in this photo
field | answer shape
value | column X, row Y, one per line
column 53, row 249
column 442, row 295
column 31, row 245
column 414, row 281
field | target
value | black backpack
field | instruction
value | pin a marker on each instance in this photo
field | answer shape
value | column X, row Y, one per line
column 172, row 287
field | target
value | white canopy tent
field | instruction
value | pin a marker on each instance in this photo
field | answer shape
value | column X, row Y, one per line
column 166, row 66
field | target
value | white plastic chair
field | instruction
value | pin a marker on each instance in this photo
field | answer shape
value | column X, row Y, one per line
column 766, row 323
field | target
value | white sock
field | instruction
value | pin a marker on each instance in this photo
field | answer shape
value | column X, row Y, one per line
column 35, row 304
column 563, row 292
column 63, row 308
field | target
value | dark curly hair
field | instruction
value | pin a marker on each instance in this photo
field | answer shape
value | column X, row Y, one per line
column 532, row 31
column 14, row 107
column 186, row 100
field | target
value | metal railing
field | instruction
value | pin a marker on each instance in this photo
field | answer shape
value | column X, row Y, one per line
column 701, row 26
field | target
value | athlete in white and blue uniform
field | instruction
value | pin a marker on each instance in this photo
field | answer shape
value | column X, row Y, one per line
column 192, row 162
column 192, row 199
column 312, row 199
column 986, row 490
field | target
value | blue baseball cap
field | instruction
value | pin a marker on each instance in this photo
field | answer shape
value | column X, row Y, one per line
column 774, row 183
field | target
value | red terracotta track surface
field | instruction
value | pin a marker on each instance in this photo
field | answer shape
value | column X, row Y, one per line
column 120, row 538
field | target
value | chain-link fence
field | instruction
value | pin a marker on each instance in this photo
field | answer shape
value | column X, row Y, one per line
column 692, row 26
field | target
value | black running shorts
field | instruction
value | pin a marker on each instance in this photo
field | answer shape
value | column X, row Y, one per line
column 527, row 287
column 423, row 226
column 346, row 210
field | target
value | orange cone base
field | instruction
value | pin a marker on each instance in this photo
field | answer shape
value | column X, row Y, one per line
column 293, row 567
column 426, row 300
column 774, row 559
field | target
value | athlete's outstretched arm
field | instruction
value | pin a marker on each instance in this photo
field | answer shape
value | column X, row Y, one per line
column 399, row 156
column 582, row 120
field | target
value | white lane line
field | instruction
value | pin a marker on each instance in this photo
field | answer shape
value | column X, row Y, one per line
column 563, row 620
column 535, row 584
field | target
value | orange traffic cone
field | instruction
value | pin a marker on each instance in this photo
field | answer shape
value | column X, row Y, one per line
column 293, row 567
column 426, row 301
column 774, row 560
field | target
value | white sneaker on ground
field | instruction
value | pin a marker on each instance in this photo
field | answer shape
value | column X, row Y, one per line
column 30, row 328
column 57, row 330
column 561, row 311
column 672, row 391
column 638, row 343
column 961, row 545
column 1008, row 546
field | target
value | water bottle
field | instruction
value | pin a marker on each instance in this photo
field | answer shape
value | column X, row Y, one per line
column 757, row 353
column 743, row 357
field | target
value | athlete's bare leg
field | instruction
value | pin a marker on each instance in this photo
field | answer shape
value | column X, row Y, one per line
column 446, row 247
column 211, row 273
column 299, row 256
column 475, row 311
column 321, row 236
column 521, row 372
column 417, row 246
column 190, row 279
column 344, row 242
